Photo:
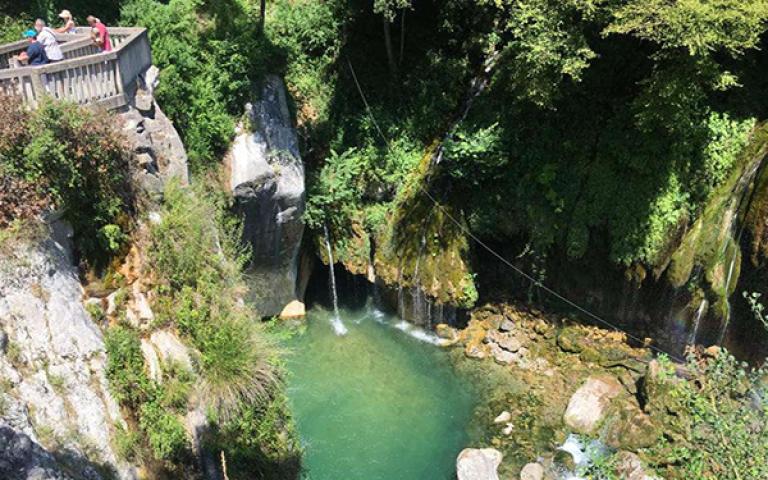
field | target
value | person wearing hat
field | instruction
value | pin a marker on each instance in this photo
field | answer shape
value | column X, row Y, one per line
column 48, row 39
column 35, row 53
column 69, row 23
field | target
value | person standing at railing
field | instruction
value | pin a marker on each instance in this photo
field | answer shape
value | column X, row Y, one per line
column 35, row 53
column 48, row 39
column 69, row 24
column 99, row 33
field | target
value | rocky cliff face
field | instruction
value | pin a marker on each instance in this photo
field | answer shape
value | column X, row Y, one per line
column 267, row 181
column 58, row 419
column 57, row 416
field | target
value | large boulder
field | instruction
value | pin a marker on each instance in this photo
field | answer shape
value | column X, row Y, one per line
column 267, row 181
column 55, row 394
column 588, row 406
column 478, row 464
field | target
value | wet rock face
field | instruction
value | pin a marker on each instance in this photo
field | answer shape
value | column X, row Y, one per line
column 478, row 464
column 267, row 181
column 54, row 388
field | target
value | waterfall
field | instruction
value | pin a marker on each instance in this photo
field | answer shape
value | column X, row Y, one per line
column 697, row 321
column 338, row 325
column 744, row 190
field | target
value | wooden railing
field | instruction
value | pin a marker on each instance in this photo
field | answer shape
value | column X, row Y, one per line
column 85, row 76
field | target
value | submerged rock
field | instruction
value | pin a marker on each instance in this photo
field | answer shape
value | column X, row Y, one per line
column 478, row 464
column 267, row 181
column 588, row 406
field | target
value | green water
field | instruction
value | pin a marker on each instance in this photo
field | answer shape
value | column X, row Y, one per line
column 375, row 404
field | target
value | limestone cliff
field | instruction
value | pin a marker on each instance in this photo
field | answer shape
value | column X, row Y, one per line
column 58, row 419
column 54, row 389
column 267, row 181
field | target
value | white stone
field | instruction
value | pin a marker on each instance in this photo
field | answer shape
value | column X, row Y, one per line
column 478, row 464
column 150, row 358
column 588, row 405
column 503, row 417
column 532, row 471
column 295, row 309
column 141, row 304
column 171, row 349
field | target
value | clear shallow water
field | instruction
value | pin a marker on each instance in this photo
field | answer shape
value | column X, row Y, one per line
column 377, row 403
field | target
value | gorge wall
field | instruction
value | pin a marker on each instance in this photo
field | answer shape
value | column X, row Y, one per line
column 267, row 182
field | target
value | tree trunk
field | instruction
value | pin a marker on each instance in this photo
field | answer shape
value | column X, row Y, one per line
column 402, row 37
column 388, row 45
column 262, row 14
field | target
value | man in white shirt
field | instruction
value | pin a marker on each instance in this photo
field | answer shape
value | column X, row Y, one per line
column 48, row 39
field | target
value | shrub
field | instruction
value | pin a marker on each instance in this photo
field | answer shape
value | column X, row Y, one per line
column 718, row 423
column 165, row 432
column 125, row 366
column 76, row 157
column 196, row 252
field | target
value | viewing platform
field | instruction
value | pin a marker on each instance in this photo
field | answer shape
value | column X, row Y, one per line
column 86, row 76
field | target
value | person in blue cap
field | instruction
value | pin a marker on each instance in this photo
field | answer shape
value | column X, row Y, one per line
column 35, row 54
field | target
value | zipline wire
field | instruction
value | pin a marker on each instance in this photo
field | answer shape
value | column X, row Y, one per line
column 490, row 250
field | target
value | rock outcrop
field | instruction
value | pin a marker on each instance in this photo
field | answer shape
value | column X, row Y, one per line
column 55, row 405
column 154, row 141
column 478, row 464
column 267, row 181
column 589, row 404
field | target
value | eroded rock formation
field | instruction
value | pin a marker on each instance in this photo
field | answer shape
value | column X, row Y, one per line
column 56, row 404
column 267, row 181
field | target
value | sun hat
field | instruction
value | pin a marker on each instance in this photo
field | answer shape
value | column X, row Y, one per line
column 31, row 33
column 65, row 14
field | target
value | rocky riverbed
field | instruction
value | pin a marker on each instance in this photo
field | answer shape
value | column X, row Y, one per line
column 551, row 389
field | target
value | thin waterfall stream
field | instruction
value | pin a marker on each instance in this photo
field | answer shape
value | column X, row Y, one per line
column 338, row 324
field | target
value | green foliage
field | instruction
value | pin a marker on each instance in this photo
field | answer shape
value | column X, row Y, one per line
column 718, row 425
column 165, row 432
column 546, row 46
column 308, row 34
column 261, row 436
column 158, row 418
column 699, row 26
column 757, row 307
column 76, row 157
column 125, row 366
column 12, row 26
column 127, row 443
column 473, row 156
column 195, row 249
column 209, row 53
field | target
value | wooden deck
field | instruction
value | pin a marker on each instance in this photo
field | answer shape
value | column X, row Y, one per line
column 85, row 76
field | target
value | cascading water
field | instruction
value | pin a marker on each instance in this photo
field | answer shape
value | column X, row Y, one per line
column 338, row 325
column 744, row 189
column 697, row 322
